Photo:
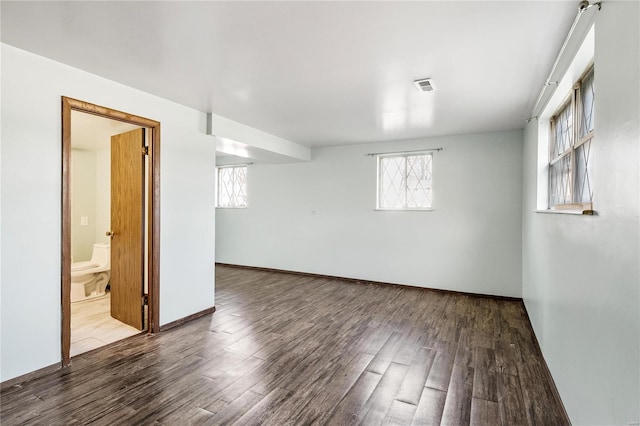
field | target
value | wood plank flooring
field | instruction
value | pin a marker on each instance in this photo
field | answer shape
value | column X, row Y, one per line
column 283, row 349
column 92, row 325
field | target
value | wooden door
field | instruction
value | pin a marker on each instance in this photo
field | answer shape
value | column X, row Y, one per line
column 127, row 227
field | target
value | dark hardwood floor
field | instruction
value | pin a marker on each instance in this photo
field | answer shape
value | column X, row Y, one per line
column 285, row 349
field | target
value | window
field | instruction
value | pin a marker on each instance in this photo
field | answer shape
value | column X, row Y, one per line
column 232, row 186
column 571, row 134
column 404, row 181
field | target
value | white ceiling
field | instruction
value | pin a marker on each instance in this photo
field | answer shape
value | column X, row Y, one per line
column 93, row 133
column 315, row 73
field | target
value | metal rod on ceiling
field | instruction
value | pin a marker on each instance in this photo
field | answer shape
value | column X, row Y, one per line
column 582, row 7
column 371, row 154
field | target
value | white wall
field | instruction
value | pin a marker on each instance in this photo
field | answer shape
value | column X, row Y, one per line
column 83, row 203
column 235, row 138
column 581, row 277
column 319, row 217
column 31, row 192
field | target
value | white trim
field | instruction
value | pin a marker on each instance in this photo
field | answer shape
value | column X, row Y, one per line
column 576, row 68
column 404, row 155
column 217, row 183
column 403, row 210
column 226, row 166
column 570, row 212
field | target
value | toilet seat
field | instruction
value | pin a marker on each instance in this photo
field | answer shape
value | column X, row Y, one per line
column 83, row 266
column 90, row 278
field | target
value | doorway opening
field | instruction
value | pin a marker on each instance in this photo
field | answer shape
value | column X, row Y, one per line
column 110, row 226
column 94, row 321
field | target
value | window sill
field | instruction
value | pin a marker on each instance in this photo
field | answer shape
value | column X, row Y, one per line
column 402, row 210
column 573, row 212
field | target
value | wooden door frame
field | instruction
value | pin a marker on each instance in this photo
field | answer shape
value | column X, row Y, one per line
column 153, row 217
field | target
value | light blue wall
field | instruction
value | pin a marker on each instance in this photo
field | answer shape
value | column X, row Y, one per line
column 581, row 274
column 319, row 217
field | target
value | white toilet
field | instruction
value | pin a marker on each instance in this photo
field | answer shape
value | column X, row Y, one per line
column 90, row 279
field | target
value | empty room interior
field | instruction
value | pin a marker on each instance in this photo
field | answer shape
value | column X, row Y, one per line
column 295, row 213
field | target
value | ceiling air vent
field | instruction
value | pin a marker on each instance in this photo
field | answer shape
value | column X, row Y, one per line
column 425, row 85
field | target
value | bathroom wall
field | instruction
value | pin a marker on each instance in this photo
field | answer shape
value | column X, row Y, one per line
column 91, row 198
column 83, row 204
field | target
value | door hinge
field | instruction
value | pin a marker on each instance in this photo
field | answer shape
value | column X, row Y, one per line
column 145, row 150
column 145, row 300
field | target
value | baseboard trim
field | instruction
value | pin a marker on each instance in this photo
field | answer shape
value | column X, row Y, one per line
column 31, row 375
column 359, row 281
column 186, row 319
column 545, row 368
column 58, row 366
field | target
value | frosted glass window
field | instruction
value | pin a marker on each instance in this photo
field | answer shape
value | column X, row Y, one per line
column 404, row 182
column 232, row 187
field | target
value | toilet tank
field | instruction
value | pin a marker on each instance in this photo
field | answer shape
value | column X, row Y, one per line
column 101, row 254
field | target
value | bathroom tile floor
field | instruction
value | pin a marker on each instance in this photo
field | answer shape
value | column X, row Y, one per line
column 92, row 325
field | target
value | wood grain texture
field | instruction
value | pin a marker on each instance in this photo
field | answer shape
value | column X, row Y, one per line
column 113, row 114
column 430, row 407
column 65, row 255
column 153, row 262
column 287, row 349
column 485, row 413
column 128, row 227
column 360, row 281
column 457, row 407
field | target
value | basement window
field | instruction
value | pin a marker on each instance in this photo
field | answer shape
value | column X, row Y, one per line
column 232, row 187
column 571, row 133
column 566, row 132
column 404, row 181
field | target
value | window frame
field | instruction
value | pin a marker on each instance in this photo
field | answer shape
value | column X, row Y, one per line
column 574, row 100
column 404, row 155
column 218, row 183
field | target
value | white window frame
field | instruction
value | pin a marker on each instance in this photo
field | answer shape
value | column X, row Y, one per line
column 233, row 204
column 380, row 157
column 576, row 69
column 574, row 103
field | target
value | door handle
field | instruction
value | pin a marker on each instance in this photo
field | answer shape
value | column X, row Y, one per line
column 110, row 234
